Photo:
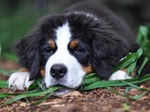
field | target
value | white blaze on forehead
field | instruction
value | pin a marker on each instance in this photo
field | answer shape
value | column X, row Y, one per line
column 63, row 35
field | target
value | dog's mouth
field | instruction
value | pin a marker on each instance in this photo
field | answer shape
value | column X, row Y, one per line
column 62, row 91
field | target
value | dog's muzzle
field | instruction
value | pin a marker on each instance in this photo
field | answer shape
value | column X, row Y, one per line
column 58, row 71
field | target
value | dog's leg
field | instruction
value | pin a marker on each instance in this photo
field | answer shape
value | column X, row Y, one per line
column 19, row 80
column 119, row 75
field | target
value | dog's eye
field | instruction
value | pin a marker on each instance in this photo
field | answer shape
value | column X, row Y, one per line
column 48, row 50
column 79, row 50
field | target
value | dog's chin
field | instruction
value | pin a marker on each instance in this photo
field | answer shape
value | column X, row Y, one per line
column 62, row 91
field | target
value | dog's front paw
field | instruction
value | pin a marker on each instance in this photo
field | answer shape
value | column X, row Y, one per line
column 19, row 81
column 119, row 75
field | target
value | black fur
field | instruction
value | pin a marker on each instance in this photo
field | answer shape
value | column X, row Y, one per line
column 106, row 39
column 28, row 52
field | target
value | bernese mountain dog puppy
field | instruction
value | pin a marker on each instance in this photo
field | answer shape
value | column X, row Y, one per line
column 64, row 47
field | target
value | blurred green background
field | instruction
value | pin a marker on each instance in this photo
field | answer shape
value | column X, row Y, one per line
column 17, row 17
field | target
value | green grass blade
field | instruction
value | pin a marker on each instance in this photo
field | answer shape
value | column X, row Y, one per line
column 0, row 51
column 36, row 84
column 33, row 86
column 131, row 67
column 119, row 83
column 50, row 90
column 90, row 80
column 4, row 95
column 135, row 86
column 90, row 75
column 137, row 97
column 43, row 99
column 9, row 56
column 143, row 32
column 3, row 84
column 142, row 66
column 126, row 61
column 6, row 72
column 139, row 52
column 34, row 91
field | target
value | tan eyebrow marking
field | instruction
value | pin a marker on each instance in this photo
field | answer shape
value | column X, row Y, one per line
column 52, row 44
column 42, row 72
column 73, row 44
column 87, row 69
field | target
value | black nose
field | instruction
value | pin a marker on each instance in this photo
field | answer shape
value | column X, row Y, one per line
column 58, row 71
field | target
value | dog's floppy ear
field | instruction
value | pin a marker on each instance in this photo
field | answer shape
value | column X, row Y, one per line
column 28, row 51
column 108, row 49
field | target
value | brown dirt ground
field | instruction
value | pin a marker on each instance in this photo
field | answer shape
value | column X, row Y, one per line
column 99, row 100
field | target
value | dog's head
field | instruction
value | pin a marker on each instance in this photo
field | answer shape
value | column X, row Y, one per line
column 68, row 46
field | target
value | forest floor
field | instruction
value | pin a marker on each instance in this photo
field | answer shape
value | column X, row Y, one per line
column 99, row 100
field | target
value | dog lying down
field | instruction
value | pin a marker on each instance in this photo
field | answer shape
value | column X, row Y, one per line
column 63, row 47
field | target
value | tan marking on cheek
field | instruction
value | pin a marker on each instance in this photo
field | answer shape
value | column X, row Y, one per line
column 52, row 44
column 43, row 72
column 73, row 44
column 23, row 70
column 87, row 69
